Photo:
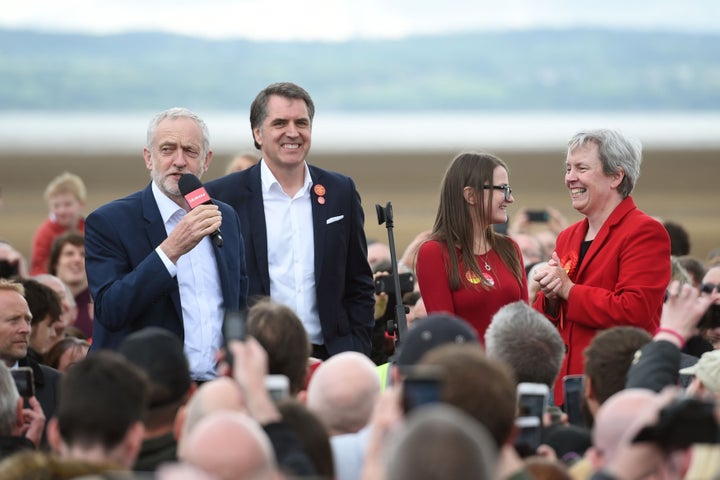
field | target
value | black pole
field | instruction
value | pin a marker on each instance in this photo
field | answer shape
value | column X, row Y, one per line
column 385, row 215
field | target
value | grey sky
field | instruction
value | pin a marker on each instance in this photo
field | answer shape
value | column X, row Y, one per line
column 344, row 19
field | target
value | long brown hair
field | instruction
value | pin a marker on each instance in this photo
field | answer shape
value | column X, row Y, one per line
column 453, row 223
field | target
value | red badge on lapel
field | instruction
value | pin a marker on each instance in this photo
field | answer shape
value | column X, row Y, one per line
column 320, row 192
column 569, row 263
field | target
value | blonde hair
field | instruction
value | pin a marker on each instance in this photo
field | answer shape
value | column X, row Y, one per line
column 66, row 182
column 11, row 286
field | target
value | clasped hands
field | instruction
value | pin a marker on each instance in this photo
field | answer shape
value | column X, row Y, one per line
column 553, row 279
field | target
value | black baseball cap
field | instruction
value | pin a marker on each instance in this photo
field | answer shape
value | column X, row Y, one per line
column 434, row 330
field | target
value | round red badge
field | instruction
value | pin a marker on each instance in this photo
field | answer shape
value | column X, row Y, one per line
column 319, row 190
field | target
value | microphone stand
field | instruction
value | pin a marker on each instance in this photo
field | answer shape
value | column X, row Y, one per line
column 399, row 323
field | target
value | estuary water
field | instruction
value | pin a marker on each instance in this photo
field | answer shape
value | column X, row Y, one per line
column 67, row 132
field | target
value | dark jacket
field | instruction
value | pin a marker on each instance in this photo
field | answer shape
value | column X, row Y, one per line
column 656, row 365
column 10, row 445
column 129, row 283
column 343, row 277
column 156, row 451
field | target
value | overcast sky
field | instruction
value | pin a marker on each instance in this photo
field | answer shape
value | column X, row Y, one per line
column 346, row 19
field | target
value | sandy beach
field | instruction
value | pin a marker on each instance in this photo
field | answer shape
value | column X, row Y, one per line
column 677, row 185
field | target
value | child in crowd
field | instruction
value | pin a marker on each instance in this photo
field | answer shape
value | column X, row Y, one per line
column 66, row 196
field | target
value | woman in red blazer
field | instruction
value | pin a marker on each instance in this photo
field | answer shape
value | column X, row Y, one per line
column 613, row 267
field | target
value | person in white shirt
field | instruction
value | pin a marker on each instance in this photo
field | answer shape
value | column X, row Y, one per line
column 303, row 227
column 150, row 260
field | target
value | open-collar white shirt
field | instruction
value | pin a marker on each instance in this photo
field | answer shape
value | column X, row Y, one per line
column 291, row 249
column 200, row 294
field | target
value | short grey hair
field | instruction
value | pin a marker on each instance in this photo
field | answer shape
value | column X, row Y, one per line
column 178, row 112
column 526, row 341
column 617, row 152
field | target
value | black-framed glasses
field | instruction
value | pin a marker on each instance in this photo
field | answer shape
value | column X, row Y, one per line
column 505, row 188
column 709, row 287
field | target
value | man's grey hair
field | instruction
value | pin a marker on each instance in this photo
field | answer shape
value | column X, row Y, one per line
column 178, row 112
column 527, row 342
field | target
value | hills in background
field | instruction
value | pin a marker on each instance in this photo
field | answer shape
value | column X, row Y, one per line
column 565, row 70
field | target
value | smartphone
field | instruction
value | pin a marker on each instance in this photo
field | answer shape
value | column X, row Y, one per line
column 234, row 325
column 386, row 284
column 421, row 386
column 233, row 328
column 24, row 381
column 572, row 399
column 529, row 435
column 532, row 400
column 278, row 386
column 538, row 216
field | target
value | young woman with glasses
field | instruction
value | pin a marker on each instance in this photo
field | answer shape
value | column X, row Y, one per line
column 466, row 268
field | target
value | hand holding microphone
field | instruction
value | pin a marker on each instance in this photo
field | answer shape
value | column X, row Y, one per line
column 202, row 220
column 195, row 194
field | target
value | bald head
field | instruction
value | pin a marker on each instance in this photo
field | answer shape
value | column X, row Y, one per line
column 613, row 418
column 67, row 301
column 343, row 391
column 221, row 394
column 530, row 247
column 378, row 253
column 230, row 445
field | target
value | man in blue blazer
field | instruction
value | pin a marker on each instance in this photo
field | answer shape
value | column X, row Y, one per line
column 304, row 233
column 149, row 257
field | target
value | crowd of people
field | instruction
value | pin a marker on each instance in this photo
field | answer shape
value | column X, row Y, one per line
column 246, row 329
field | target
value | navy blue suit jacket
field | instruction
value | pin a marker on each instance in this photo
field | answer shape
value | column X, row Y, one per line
column 129, row 284
column 343, row 277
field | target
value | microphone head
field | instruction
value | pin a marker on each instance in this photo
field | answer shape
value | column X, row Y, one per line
column 193, row 191
column 188, row 183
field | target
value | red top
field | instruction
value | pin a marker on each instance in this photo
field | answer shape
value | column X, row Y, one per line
column 42, row 243
column 621, row 281
column 471, row 303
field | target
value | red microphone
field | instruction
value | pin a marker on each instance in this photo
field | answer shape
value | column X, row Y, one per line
column 195, row 194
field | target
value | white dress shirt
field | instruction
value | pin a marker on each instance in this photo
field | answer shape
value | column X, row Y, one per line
column 200, row 294
column 291, row 249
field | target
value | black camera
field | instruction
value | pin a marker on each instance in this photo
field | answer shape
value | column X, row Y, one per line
column 539, row 216
column 385, row 283
column 682, row 423
column 711, row 319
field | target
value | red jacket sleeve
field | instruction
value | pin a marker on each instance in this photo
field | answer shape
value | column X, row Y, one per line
column 433, row 278
column 627, row 285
